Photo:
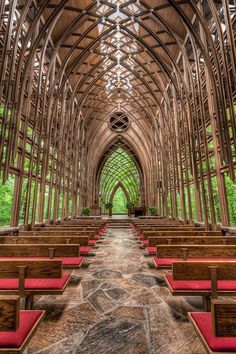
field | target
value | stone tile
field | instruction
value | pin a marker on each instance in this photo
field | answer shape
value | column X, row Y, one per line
column 143, row 297
column 113, row 335
column 169, row 336
column 59, row 325
column 127, row 284
column 116, row 293
column 107, row 273
column 147, row 280
column 101, row 301
column 90, row 286
column 179, row 308
column 133, row 312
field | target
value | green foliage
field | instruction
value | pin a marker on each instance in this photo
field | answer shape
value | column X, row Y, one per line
column 120, row 167
column 85, row 211
column 130, row 205
column 231, row 195
column 108, row 205
column 6, row 198
column 153, row 210
column 119, row 202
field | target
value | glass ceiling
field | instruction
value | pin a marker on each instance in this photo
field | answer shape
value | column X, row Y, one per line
column 121, row 168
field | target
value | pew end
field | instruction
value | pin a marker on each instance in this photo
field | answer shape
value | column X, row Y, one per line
column 216, row 329
column 17, row 327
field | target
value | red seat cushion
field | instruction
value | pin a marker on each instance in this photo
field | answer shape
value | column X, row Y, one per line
column 71, row 261
column 85, row 250
column 92, row 242
column 97, row 237
column 222, row 285
column 216, row 344
column 164, row 262
column 33, row 284
column 145, row 243
column 15, row 339
column 151, row 250
column 167, row 262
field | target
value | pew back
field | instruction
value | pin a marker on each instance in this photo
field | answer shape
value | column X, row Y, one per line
column 57, row 233
column 202, row 270
column 39, row 250
column 170, row 234
column 196, row 251
column 44, row 269
column 208, row 240
column 76, row 240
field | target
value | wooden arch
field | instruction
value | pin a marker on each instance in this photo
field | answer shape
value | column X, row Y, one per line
column 177, row 80
column 119, row 185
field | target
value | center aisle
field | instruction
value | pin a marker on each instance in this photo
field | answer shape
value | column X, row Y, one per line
column 117, row 304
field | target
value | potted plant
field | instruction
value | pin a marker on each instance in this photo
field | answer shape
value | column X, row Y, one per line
column 153, row 211
column 130, row 205
column 85, row 211
column 108, row 206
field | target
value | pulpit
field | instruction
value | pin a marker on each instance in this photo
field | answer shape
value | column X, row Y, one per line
column 137, row 211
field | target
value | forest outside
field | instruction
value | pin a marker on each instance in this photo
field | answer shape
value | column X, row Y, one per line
column 119, row 201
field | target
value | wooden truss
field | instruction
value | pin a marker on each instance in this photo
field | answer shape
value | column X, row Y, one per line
column 67, row 66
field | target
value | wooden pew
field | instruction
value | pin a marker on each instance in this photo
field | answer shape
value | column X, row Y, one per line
column 144, row 229
column 177, row 234
column 29, row 277
column 17, row 327
column 216, row 329
column 154, row 242
column 90, row 234
column 69, row 254
column 167, row 254
column 207, row 279
column 82, row 241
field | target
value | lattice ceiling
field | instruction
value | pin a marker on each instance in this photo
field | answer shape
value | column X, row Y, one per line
column 118, row 52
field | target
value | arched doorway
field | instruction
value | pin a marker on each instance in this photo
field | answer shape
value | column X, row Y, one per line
column 119, row 199
column 119, row 170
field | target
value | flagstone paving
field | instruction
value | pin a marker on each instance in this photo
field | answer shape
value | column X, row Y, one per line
column 117, row 303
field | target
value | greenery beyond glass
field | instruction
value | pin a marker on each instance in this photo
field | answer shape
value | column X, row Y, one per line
column 153, row 211
column 119, row 202
column 119, row 169
column 85, row 211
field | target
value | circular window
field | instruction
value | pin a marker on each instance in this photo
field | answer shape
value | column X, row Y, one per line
column 119, row 122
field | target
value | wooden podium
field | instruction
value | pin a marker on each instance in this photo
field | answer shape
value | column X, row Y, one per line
column 137, row 211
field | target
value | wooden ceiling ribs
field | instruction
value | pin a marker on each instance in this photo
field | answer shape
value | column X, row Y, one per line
column 170, row 65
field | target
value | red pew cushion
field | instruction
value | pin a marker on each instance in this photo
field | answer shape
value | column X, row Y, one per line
column 200, row 284
column 97, row 237
column 15, row 339
column 13, row 284
column 92, row 242
column 145, row 243
column 216, row 344
column 151, row 250
column 167, row 262
column 71, row 261
column 85, row 250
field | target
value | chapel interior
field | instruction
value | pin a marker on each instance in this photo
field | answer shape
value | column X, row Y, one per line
column 117, row 176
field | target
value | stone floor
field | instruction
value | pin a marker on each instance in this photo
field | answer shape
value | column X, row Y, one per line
column 117, row 303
